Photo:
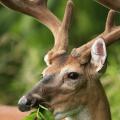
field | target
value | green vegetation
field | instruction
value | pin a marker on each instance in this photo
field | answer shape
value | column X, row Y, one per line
column 24, row 42
column 41, row 113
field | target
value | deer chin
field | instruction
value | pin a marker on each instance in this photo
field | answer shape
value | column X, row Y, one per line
column 44, row 104
column 64, row 114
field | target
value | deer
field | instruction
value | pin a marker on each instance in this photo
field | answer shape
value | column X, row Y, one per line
column 70, row 86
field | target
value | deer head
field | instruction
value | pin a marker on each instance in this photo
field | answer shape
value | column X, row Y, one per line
column 70, row 86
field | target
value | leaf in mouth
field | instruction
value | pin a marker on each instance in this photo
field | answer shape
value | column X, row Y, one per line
column 42, row 113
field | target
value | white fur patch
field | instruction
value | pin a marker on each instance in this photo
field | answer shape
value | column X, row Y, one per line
column 68, row 118
column 46, row 60
column 84, row 115
column 80, row 113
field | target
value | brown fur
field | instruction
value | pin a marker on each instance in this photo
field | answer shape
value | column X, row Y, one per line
column 88, row 92
column 57, row 90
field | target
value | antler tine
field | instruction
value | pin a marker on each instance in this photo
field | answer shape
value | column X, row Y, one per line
column 110, row 35
column 37, row 9
column 67, row 15
column 112, row 32
column 61, row 41
column 62, row 36
column 110, row 22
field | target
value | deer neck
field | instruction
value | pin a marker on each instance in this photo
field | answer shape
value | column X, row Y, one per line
column 84, row 113
column 80, row 113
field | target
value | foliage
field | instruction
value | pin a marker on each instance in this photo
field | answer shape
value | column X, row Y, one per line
column 24, row 42
column 41, row 113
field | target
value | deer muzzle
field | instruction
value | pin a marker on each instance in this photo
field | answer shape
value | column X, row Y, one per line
column 25, row 104
column 37, row 96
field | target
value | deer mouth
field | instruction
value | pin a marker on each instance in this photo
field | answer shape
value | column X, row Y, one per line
column 26, row 104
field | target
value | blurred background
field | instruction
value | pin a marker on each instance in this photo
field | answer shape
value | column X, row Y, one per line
column 24, row 42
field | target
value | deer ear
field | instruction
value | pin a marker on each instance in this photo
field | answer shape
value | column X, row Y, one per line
column 98, row 54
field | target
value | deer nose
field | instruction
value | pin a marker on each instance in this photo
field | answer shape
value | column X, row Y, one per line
column 25, row 104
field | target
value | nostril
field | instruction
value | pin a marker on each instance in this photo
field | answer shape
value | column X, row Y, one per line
column 29, row 102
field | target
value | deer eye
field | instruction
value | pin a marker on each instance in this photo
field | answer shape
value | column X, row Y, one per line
column 73, row 75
